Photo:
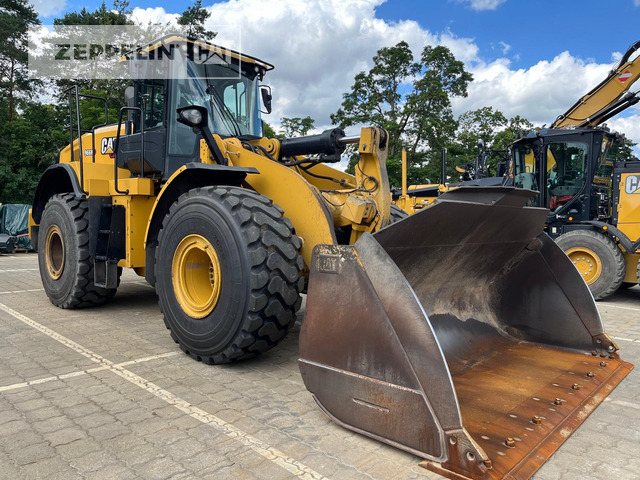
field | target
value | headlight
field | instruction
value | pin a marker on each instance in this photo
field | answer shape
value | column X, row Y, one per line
column 192, row 115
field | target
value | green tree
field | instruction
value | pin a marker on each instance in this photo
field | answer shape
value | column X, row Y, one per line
column 296, row 126
column 375, row 97
column 28, row 145
column 269, row 132
column 483, row 124
column 16, row 16
column 194, row 19
column 100, row 16
column 516, row 127
column 122, row 7
column 492, row 127
column 92, row 111
column 412, row 101
column 621, row 150
column 434, row 125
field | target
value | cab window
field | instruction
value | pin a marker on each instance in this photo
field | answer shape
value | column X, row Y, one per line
column 151, row 98
column 566, row 172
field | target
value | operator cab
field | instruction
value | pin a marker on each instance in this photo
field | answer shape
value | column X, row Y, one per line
column 559, row 164
column 176, row 72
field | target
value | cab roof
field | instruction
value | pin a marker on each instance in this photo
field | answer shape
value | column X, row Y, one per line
column 178, row 39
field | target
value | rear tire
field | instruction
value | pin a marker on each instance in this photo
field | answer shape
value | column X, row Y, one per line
column 598, row 259
column 228, row 274
column 66, row 267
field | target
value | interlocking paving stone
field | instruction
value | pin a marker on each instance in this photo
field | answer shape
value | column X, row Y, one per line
column 101, row 425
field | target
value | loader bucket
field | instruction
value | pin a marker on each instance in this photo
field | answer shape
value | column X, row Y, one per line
column 461, row 334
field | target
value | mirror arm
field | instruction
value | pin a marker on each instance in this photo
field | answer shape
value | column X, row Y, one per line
column 212, row 144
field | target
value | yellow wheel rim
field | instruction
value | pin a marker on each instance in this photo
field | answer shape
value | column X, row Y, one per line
column 54, row 252
column 587, row 262
column 195, row 273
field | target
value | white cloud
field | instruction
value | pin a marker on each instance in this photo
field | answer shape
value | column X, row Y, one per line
column 318, row 46
column 46, row 8
column 505, row 47
column 630, row 126
column 636, row 3
column 480, row 5
column 157, row 15
column 539, row 93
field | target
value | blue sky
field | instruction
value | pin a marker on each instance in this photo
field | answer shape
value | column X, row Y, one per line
column 528, row 58
column 533, row 29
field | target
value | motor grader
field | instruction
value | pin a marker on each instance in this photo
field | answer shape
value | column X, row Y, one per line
column 472, row 345
column 593, row 203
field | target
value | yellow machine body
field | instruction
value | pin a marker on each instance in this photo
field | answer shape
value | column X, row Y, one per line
column 415, row 328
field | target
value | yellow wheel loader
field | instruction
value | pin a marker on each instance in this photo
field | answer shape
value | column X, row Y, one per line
column 472, row 345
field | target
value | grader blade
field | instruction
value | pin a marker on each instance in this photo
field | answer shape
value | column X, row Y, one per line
column 461, row 334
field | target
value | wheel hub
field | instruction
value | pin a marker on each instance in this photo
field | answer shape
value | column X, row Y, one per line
column 587, row 262
column 54, row 252
column 196, row 277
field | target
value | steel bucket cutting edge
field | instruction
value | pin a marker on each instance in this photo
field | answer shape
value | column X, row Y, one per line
column 461, row 334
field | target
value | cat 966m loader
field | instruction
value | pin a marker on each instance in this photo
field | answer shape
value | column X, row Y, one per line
column 473, row 344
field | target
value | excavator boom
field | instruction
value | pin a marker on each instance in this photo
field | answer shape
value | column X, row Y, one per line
column 597, row 105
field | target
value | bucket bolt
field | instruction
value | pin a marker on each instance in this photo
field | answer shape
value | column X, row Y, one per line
column 590, row 374
column 558, row 401
column 575, row 386
column 510, row 442
column 603, row 364
column 536, row 420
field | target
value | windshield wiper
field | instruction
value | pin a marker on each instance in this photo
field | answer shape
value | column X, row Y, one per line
column 222, row 108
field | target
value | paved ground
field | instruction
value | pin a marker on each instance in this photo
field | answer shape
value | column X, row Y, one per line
column 105, row 393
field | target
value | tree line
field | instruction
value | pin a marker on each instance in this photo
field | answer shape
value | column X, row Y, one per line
column 409, row 97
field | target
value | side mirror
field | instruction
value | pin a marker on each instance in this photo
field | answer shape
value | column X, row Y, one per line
column 265, row 92
column 193, row 116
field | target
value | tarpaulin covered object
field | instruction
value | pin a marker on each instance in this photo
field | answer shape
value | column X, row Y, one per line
column 14, row 221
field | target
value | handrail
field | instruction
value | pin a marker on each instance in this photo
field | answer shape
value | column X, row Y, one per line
column 73, row 92
column 117, row 146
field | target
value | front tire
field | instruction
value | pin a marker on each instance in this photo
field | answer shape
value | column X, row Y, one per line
column 66, row 267
column 228, row 274
column 597, row 258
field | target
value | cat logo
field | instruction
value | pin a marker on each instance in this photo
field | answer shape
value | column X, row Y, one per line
column 632, row 184
column 106, row 146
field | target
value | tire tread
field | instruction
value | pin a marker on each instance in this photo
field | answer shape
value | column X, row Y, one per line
column 616, row 267
column 275, row 280
column 84, row 293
